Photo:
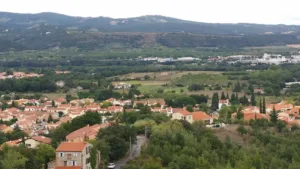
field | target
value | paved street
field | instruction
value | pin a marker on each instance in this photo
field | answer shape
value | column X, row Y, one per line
column 136, row 150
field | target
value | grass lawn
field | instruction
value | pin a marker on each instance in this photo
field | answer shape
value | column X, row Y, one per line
column 51, row 96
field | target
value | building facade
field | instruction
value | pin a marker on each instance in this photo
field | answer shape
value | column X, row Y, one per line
column 76, row 154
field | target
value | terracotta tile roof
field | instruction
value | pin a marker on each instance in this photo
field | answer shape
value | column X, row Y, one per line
column 109, row 100
column 83, row 132
column 12, row 109
column 61, row 99
column 200, row 116
column 87, row 131
column 3, row 126
column 71, row 147
column 156, row 109
column 42, row 139
column 114, row 108
column 224, row 101
column 65, row 119
column 294, row 110
column 69, row 167
column 258, row 116
column 251, row 108
column 280, row 106
column 181, row 111
column 64, row 106
column 13, row 142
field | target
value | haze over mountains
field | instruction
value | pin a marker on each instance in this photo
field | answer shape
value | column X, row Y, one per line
column 151, row 23
column 47, row 30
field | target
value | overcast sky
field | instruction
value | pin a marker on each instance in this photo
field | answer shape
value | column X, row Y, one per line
column 218, row 11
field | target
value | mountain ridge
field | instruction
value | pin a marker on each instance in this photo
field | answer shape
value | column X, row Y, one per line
column 51, row 30
column 146, row 23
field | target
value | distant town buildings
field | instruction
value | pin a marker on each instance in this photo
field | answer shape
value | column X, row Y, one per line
column 19, row 75
column 275, row 59
column 162, row 60
column 121, row 85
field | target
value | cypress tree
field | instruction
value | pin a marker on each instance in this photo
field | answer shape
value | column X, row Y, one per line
column 50, row 119
column 237, row 98
column 264, row 106
column 274, row 116
column 260, row 106
column 251, row 89
column 53, row 103
column 237, row 87
column 223, row 97
column 239, row 114
column 227, row 96
column 232, row 99
column 215, row 101
column 245, row 100
column 13, row 104
column 253, row 101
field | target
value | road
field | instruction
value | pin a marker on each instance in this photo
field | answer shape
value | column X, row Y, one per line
column 136, row 151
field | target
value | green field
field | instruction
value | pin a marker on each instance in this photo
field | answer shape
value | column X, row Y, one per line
column 167, row 81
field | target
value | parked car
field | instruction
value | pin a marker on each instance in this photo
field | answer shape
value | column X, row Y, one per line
column 111, row 165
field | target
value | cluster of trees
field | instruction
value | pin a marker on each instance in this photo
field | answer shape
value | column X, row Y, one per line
column 176, row 144
column 262, row 106
column 272, row 80
column 104, row 94
column 26, row 158
column 234, row 100
column 237, row 87
column 196, row 87
column 25, row 85
column 182, row 100
column 179, row 101
column 100, row 95
column 113, row 142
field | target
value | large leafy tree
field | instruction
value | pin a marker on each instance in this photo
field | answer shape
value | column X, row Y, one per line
column 118, row 137
column 45, row 153
column 144, row 162
column 13, row 160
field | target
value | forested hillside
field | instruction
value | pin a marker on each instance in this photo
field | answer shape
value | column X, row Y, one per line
column 149, row 23
column 50, row 30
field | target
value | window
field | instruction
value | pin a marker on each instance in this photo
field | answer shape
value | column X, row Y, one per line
column 28, row 145
column 73, row 163
column 75, row 154
column 87, row 161
column 69, row 156
column 65, row 163
column 61, row 154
